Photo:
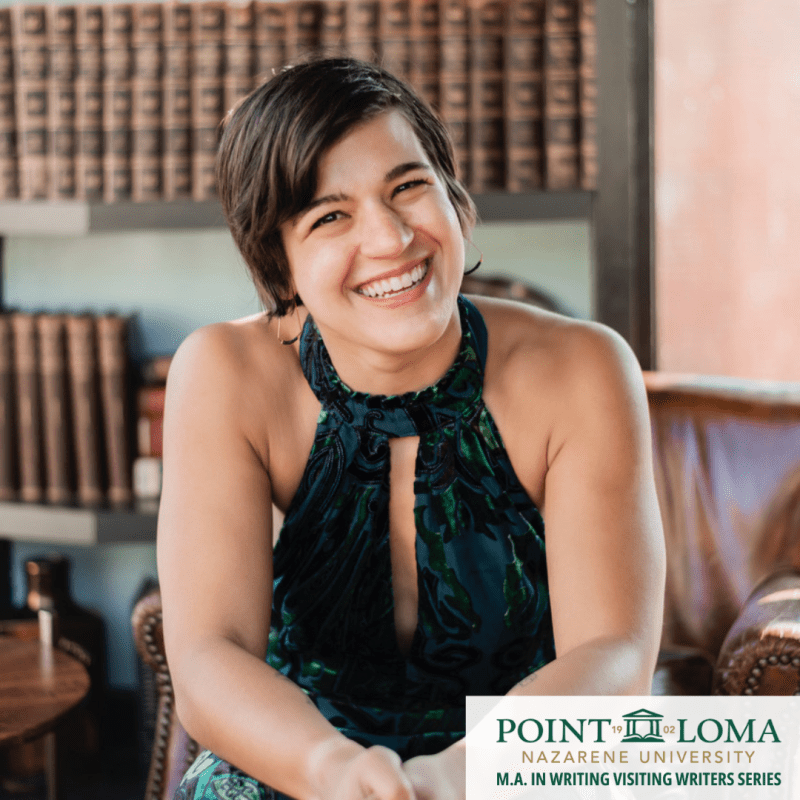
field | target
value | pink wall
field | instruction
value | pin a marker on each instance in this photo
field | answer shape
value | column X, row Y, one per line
column 727, row 142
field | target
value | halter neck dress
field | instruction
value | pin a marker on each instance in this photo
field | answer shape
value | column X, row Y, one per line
column 483, row 619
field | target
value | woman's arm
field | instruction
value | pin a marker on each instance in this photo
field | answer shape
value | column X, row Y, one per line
column 215, row 568
column 604, row 540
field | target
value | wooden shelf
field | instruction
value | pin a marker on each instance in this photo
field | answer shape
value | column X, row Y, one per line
column 28, row 522
column 534, row 206
column 75, row 218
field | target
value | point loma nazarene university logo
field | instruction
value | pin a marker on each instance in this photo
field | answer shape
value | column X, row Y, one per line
column 644, row 747
column 648, row 747
column 643, row 720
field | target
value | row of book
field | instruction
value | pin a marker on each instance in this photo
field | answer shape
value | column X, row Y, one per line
column 122, row 101
column 65, row 420
column 150, row 398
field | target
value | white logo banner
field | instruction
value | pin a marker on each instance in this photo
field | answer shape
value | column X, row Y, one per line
column 633, row 748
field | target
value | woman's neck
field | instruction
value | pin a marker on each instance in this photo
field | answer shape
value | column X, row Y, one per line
column 379, row 372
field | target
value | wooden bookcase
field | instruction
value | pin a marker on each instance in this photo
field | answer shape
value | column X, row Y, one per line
column 620, row 212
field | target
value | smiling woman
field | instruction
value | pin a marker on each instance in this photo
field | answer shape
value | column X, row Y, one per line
column 272, row 145
column 382, row 218
column 418, row 445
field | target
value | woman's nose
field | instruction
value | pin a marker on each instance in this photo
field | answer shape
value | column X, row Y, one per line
column 384, row 232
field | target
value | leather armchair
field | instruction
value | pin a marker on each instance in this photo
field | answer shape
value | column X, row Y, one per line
column 727, row 465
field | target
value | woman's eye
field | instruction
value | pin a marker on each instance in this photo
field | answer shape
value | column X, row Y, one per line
column 410, row 184
column 331, row 217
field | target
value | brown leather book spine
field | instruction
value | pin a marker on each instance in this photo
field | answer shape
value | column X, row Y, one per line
column 151, row 401
column 117, row 101
column 587, row 87
column 394, row 34
column 150, row 436
column 150, row 420
column 147, row 102
column 361, row 30
column 487, row 124
column 61, row 101
column 150, row 441
column 208, row 64
column 83, row 374
column 424, row 47
column 561, row 107
column 9, row 185
column 8, row 438
column 29, row 430
column 31, row 65
column 89, row 102
column 112, row 351
column 238, row 39
column 55, row 410
column 176, row 138
column 333, row 26
column 270, row 38
column 89, row 42
column 303, row 25
column 454, row 80
column 524, row 95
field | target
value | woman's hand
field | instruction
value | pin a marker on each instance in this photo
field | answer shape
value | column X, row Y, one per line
column 352, row 772
column 439, row 777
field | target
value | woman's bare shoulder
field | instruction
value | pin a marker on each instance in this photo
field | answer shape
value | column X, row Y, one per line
column 229, row 352
column 566, row 364
column 236, row 371
column 542, row 344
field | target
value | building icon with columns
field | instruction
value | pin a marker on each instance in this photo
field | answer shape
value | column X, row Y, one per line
column 643, row 726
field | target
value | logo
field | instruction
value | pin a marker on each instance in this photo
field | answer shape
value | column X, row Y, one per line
column 637, row 720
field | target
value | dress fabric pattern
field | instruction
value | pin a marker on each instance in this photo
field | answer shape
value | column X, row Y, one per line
column 484, row 618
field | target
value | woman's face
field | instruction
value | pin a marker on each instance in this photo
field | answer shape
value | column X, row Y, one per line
column 378, row 255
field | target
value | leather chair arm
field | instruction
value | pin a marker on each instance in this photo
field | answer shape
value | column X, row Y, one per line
column 173, row 749
column 148, row 632
column 761, row 653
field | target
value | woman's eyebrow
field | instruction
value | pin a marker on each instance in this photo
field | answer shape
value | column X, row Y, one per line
column 319, row 201
column 401, row 169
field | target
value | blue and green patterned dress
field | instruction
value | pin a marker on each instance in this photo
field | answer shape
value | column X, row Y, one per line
column 483, row 611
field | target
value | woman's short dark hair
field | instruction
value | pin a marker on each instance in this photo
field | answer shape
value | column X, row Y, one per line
column 272, row 142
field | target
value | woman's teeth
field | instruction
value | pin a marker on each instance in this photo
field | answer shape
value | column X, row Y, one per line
column 399, row 283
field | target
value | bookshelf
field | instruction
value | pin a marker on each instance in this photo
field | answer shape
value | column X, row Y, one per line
column 620, row 213
column 56, row 525
column 75, row 218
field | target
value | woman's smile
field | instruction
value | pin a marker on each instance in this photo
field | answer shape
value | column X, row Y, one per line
column 397, row 282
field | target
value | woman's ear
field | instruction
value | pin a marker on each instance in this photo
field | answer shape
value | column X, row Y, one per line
column 290, row 299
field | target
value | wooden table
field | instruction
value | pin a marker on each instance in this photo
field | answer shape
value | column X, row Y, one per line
column 38, row 685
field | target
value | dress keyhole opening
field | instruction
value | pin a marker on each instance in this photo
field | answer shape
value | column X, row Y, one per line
column 403, row 539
